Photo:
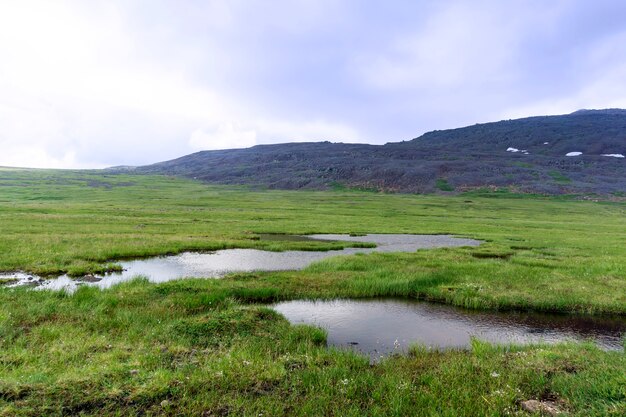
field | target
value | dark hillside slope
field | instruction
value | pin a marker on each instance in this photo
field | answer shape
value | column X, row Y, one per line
column 527, row 155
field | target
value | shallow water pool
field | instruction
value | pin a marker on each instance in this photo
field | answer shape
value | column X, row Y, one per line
column 383, row 327
column 219, row 263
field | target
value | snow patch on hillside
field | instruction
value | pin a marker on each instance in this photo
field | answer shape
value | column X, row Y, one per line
column 515, row 150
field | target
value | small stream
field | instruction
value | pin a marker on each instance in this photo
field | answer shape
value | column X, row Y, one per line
column 381, row 327
column 220, row 263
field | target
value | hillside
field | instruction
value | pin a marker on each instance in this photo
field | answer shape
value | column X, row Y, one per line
column 527, row 155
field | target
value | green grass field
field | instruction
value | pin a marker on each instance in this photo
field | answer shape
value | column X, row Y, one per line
column 205, row 347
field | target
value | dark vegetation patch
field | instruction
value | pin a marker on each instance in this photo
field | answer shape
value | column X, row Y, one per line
column 443, row 185
column 257, row 295
column 492, row 255
column 220, row 327
column 559, row 177
column 109, row 185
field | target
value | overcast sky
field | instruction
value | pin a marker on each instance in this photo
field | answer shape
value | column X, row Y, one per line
column 99, row 83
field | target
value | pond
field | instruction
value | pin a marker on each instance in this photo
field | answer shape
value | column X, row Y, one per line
column 222, row 262
column 381, row 327
column 374, row 327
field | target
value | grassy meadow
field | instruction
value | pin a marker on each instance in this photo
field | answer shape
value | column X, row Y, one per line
column 211, row 348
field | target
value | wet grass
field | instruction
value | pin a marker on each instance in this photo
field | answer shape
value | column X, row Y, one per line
column 205, row 347
column 541, row 253
column 184, row 348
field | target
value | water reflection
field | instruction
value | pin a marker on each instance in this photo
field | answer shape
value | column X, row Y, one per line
column 222, row 262
column 382, row 327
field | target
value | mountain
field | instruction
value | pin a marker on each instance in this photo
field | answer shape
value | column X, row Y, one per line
column 525, row 155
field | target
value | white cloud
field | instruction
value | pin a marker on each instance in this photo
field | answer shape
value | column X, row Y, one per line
column 71, row 77
column 606, row 90
column 107, row 83
column 62, row 55
column 91, row 85
column 37, row 157
column 306, row 131
column 599, row 70
column 236, row 135
column 226, row 136
column 457, row 46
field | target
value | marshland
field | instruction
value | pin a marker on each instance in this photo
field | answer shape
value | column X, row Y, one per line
column 216, row 346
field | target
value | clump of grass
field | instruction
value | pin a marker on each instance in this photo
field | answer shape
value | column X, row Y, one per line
column 79, row 269
column 443, row 185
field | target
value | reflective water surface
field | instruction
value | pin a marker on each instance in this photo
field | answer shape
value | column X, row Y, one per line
column 383, row 327
column 374, row 327
column 222, row 262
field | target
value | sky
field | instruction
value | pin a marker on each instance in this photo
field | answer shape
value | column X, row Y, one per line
column 91, row 84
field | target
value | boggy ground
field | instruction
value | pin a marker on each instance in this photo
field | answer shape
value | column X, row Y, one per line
column 206, row 347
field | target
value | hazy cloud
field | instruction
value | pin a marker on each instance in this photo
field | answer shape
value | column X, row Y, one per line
column 91, row 84
column 226, row 136
column 235, row 135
